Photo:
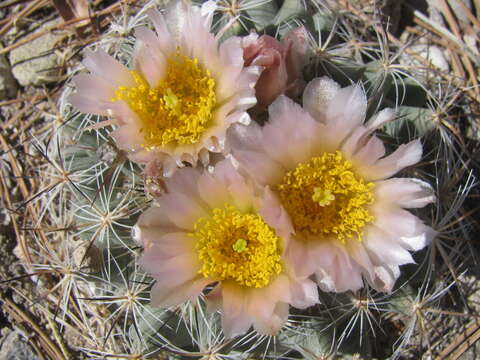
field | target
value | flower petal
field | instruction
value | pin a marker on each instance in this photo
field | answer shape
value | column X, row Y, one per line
column 142, row 156
column 297, row 45
column 149, row 59
column 241, row 193
column 369, row 153
column 231, row 58
column 185, row 182
column 154, row 217
column 166, row 296
column 127, row 137
column 302, row 260
column 245, row 143
column 214, row 299
column 405, row 155
column 161, row 244
column 274, row 78
column 89, row 105
column 345, row 111
column 361, row 146
column 94, row 87
column 418, row 242
column 203, row 45
column 397, row 221
column 161, row 28
column 405, row 192
column 176, row 16
column 212, row 191
column 385, row 277
column 170, row 271
column 235, row 320
column 335, row 270
column 360, row 255
column 380, row 119
column 103, row 65
column 182, row 210
column 285, row 141
column 259, row 304
column 384, row 249
column 275, row 322
column 275, row 215
column 304, row 293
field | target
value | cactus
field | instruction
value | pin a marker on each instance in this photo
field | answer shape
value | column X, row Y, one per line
column 99, row 194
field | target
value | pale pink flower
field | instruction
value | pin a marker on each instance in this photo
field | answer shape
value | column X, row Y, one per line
column 282, row 64
column 332, row 175
column 184, row 91
column 215, row 228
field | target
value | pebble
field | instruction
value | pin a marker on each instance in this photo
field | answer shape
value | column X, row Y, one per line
column 36, row 62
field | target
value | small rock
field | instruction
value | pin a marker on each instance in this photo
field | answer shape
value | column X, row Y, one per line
column 4, row 217
column 19, row 252
column 431, row 53
column 434, row 13
column 456, row 8
column 8, row 85
column 36, row 62
column 19, row 24
column 15, row 348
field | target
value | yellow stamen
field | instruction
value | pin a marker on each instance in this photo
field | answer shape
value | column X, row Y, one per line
column 179, row 109
column 221, row 243
column 324, row 196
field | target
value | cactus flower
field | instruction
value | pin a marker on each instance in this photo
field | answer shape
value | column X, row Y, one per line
column 215, row 228
column 282, row 64
column 184, row 91
column 332, row 175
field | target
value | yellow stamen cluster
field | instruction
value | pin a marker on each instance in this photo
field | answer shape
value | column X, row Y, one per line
column 325, row 197
column 237, row 246
column 179, row 109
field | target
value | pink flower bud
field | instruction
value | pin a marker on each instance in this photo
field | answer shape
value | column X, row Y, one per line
column 282, row 63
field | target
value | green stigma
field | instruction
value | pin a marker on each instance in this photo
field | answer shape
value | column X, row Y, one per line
column 171, row 100
column 240, row 245
column 322, row 197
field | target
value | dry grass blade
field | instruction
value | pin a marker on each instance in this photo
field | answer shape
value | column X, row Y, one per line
column 71, row 10
column 112, row 8
column 22, row 317
column 20, row 236
column 441, row 31
column 8, row 3
column 452, row 22
column 35, row 97
column 35, row 5
column 461, row 343
column 464, row 57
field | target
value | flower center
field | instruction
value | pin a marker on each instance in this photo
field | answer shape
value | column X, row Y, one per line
column 179, row 109
column 237, row 246
column 325, row 197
